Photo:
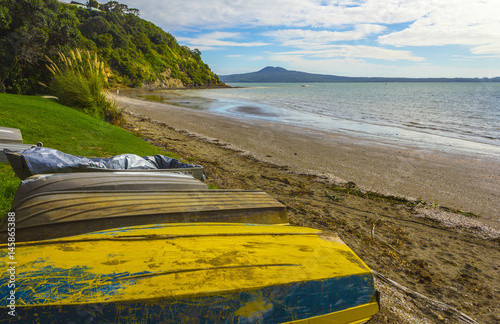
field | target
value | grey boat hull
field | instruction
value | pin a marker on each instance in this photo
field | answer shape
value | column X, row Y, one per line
column 53, row 215
column 105, row 181
column 13, row 148
column 10, row 136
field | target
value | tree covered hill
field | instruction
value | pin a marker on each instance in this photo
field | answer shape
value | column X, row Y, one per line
column 136, row 52
column 279, row 74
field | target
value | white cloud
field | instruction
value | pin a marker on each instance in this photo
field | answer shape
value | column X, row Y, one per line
column 491, row 48
column 223, row 35
column 303, row 37
column 317, row 29
column 359, row 68
column 434, row 22
column 353, row 52
column 474, row 23
column 181, row 14
column 367, row 29
column 218, row 39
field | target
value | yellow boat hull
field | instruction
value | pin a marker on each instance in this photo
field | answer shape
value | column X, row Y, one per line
column 192, row 273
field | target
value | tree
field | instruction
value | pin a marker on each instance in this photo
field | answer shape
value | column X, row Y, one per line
column 31, row 30
column 111, row 5
column 63, row 30
column 93, row 4
column 5, row 19
column 95, row 25
column 197, row 54
column 116, row 7
column 23, row 44
column 133, row 11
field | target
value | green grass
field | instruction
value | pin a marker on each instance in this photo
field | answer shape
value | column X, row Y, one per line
column 8, row 185
column 65, row 129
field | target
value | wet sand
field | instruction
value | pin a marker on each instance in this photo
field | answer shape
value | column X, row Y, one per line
column 253, row 110
column 459, row 182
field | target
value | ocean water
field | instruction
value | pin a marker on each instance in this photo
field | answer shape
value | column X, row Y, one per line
column 451, row 117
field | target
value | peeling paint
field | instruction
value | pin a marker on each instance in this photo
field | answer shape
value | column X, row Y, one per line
column 207, row 273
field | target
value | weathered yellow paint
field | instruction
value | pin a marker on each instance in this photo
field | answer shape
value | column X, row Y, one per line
column 354, row 315
column 255, row 308
column 251, row 272
column 194, row 260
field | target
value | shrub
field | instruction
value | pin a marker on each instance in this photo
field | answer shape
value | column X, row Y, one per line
column 79, row 81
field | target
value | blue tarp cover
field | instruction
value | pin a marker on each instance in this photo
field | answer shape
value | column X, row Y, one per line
column 46, row 160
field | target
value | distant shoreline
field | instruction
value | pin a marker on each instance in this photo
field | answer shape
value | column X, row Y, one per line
column 278, row 74
column 375, row 80
column 395, row 80
column 152, row 89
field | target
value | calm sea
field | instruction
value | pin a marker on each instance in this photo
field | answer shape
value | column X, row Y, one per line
column 462, row 117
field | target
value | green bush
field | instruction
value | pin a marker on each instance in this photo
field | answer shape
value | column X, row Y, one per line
column 79, row 81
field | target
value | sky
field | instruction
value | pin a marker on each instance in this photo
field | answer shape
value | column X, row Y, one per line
column 387, row 38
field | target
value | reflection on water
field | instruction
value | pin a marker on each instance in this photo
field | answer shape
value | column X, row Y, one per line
column 253, row 110
column 157, row 98
column 171, row 97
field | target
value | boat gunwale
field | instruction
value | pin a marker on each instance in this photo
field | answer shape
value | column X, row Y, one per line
column 157, row 237
column 277, row 209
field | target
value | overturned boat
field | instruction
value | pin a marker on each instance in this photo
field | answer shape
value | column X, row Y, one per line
column 106, row 181
column 12, row 148
column 58, row 214
column 42, row 160
column 11, row 140
column 10, row 135
column 197, row 273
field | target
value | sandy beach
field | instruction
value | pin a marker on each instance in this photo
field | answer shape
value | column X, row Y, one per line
column 448, row 257
column 459, row 182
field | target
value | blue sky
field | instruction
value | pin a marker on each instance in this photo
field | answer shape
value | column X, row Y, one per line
column 407, row 38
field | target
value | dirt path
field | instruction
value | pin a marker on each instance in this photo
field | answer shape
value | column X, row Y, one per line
column 396, row 238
